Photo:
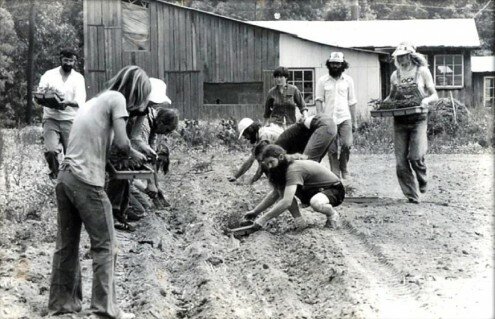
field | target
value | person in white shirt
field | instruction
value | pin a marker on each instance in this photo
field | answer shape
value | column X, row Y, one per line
column 70, row 85
column 335, row 97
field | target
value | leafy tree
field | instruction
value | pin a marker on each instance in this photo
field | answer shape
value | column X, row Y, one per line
column 8, row 43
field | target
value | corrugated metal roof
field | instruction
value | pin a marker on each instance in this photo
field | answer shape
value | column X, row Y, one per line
column 383, row 33
column 483, row 63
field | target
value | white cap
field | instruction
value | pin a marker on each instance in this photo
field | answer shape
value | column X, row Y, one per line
column 336, row 57
column 404, row 48
column 158, row 92
column 243, row 125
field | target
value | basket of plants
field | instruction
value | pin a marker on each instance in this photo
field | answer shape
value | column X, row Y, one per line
column 49, row 97
column 396, row 108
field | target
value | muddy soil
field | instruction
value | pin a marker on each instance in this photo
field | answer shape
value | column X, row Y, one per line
column 391, row 259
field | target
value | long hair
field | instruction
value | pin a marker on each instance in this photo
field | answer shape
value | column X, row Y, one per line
column 133, row 83
column 416, row 58
column 277, row 175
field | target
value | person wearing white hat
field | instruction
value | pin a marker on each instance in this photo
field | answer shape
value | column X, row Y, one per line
column 254, row 132
column 335, row 97
column 411, row 80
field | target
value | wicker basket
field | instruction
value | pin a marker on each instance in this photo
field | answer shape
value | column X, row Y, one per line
column 399, row 112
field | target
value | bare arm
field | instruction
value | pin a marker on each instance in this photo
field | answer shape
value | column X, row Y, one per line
column 245, row 166
column 280, row 206
column 257, row 175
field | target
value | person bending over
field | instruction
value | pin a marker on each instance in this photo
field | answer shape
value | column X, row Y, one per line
column 293, row 176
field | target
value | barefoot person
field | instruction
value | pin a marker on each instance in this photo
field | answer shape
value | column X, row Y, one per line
column 292, row 175
column 411, row 80
column 81, row 198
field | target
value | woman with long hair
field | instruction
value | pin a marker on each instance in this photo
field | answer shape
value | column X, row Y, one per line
column 81, row 198
column 411, row 81
column 294, row 175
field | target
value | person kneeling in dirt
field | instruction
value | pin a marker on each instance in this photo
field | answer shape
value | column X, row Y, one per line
column 254, row 132
column 81, row 198
column 119, row 190
column 160, row 121
column 311, row 137
column 293, row 175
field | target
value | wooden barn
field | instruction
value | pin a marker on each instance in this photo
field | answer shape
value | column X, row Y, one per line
column 214, row 66
column 483, row 68
column 447, row 44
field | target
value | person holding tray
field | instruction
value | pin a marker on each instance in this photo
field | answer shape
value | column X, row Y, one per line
column 70, row 87
column 411, row 80
column 81, row 198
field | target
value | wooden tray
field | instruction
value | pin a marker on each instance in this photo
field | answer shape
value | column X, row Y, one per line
column 399, row 112
column 147, row 173
column 50, row 100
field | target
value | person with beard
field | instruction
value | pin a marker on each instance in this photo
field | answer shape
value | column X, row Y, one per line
column 70, row 85
column 282, row 100
column 335, row 97
column 81, row 199
column 411, row 80
column 294, row 175
column 311, row 137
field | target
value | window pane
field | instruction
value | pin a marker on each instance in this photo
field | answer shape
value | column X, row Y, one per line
column 308, row 86
column 308, row 98
column 458, row 70
column 298, row 75
column 299, row 85
column 449, row 59
column 308, row 76
column 135, row 25
column 458, row 80
column 458, row 59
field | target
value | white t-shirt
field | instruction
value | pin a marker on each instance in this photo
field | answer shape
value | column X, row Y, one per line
column 91, row 136
column 270, row 132
column 337, row 96
column 74, row 89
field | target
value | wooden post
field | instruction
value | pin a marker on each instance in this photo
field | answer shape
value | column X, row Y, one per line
column 453, row 108
column 30, row 63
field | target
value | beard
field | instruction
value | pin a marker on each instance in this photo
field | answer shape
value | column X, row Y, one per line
column 336, row 72
column 67, row 68
column 277, row 175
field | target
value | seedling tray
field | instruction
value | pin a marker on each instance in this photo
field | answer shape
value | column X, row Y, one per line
column 146, row 173
column 50, row 100
column 399, row 112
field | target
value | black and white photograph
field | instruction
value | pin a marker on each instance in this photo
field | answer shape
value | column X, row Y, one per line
column 247, row 159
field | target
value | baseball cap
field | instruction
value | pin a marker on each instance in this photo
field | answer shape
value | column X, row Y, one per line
column 158, row 92
column 243, row 125
column 404, row 48
column 336, row 57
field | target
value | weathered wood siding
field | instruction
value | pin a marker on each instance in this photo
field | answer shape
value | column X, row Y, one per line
column 479, row 87
column 188, row 42
column 364, row 67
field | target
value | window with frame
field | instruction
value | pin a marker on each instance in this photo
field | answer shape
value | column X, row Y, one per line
column 449, row 70
column 135, row 25
column 304, row 80
column 489, row 91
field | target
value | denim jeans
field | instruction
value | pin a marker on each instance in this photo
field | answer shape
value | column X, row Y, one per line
column 338, row 162
column 324, row 134
column 411, row 145
column 80, row 203
column 55, row 132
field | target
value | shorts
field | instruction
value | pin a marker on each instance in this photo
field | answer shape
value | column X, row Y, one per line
column 335, row 193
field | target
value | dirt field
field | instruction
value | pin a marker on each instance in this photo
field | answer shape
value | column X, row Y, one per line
column 391, row 259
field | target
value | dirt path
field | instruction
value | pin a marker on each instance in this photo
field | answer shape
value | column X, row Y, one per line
column 390, row 260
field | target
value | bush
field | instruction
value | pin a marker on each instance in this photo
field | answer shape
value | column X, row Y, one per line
column 470, row 132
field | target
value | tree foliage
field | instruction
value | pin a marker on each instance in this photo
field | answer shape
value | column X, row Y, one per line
column 58, row 25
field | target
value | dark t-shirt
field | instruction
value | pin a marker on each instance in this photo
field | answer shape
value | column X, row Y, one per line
column 309, row 174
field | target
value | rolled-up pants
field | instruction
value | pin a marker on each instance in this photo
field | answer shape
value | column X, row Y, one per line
column 411, row 145
column 80, row 203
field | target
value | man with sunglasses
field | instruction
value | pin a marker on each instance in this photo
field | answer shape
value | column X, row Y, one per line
column 70, row 86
